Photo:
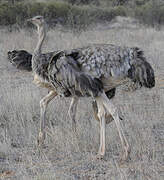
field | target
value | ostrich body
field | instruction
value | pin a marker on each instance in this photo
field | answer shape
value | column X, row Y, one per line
column 89, row 72
column 21, row 59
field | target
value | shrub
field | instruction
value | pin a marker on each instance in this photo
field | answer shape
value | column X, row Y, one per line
column 83, row 1
column 151, row 13
column 120, row 11
column 6, row 14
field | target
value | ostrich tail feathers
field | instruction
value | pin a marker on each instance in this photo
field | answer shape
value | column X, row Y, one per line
column 141, row 71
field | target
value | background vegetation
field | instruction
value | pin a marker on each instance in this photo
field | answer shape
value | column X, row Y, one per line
column 81, row 13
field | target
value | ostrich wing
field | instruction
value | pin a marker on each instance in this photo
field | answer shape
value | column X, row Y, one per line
column 21, row 59
column 65, row 74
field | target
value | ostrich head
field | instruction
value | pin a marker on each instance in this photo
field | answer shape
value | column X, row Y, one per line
column 37, row 21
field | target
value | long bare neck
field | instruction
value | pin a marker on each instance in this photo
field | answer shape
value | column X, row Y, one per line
column 37, row 52
column 41, row 37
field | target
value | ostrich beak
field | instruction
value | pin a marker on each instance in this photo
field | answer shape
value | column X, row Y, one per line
column 29, row 20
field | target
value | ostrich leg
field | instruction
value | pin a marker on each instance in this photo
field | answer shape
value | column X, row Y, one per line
column 72, row 112
column 104, row 101
column 43, row 106
column 101, row 116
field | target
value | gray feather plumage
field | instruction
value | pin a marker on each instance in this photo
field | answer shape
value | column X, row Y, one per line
column 40, row 66
column 65, row 74
column 86, row 71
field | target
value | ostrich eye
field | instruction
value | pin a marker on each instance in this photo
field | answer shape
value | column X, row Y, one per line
column 38, row 18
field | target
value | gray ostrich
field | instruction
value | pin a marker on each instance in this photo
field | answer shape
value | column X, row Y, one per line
column 88, row 72
column 21, row 59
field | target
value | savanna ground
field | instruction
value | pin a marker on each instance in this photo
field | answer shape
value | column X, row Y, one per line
column 67, row 157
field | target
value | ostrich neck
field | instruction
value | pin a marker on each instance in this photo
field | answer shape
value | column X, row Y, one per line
column 41, row 37
column 38, row 50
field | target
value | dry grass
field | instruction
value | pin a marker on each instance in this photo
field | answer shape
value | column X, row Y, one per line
column 67, row 157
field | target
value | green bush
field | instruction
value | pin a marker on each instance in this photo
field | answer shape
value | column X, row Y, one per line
column 140, row 2
column 18, row 12
column 6, row 15
column 71, row 15
column 83, row 1
column 120, row 11
column 151, row 13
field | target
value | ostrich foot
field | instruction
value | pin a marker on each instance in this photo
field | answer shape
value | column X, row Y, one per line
column 126, row 156
column 99, row 156
column 74, row 127
column 101, row 153
column 41, row 138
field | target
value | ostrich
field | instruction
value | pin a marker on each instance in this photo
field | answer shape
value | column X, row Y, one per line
column 89, row 72
column 21, row 59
